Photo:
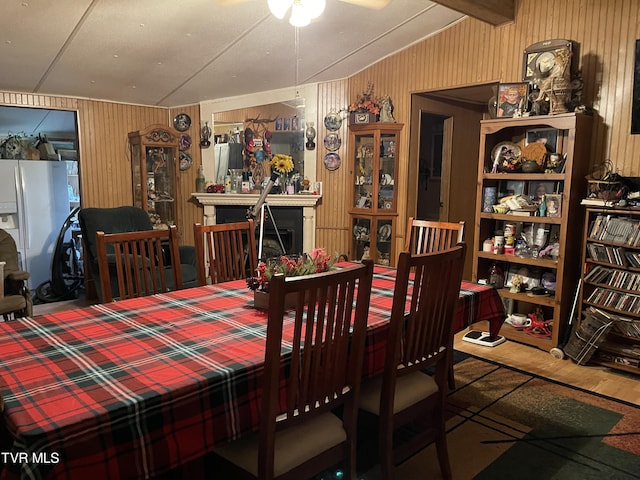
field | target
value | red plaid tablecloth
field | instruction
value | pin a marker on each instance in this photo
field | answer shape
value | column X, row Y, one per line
column 135, row 388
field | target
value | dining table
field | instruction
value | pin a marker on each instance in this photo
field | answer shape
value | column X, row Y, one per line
column 139, row 387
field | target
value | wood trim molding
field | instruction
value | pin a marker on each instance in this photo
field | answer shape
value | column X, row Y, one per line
column 494, row 12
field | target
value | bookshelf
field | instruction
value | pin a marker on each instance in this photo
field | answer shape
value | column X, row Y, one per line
column 611, row 284
column 548, row 264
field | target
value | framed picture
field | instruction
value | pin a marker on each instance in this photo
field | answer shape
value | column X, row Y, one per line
column 513, row 99
column 539, row 188
column 553, row 202
column 514, row 187
column 530, row 275
column 546, row 136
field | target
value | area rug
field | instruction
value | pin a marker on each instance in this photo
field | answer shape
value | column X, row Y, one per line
column 508, row 424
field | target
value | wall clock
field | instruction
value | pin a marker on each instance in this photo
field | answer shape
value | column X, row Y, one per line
column 540, row 60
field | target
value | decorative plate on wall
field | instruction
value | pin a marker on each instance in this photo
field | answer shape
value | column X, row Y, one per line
column 185, row 161
column 182, row 122
column 184, row 142
column 332, row 142
column 332, row 161
column 332, row 121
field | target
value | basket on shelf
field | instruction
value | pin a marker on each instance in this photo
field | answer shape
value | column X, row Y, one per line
column 604, row 189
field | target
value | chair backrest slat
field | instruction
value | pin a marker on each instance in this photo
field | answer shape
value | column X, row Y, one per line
column 225, row 251
column 424, row 236
column 136, row 261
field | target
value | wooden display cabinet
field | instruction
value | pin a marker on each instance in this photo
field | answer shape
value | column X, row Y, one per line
column 155, row 173
column 558, row 268
column 373, row 159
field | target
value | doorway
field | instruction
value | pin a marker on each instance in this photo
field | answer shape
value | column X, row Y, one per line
column 443, row 155
column 41, row 194
column 430, row 166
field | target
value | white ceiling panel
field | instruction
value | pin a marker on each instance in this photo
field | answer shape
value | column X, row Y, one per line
column 172, row 53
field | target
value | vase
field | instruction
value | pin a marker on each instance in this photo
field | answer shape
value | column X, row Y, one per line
column 261, row 300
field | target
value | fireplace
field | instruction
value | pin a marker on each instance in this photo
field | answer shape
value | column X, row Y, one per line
column 289, row 222
column 295, row 215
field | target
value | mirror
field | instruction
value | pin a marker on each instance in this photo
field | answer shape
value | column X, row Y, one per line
column 272, row 129
column 225, row 115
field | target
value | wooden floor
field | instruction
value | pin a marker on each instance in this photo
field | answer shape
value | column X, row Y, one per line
column 603, row 380
column 612, row 383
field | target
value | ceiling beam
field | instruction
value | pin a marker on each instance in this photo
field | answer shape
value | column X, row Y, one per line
column 494, row 12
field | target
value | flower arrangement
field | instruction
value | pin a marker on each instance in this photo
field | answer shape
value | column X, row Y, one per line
column 282, row 163
column 291, row 266
column 366, row 102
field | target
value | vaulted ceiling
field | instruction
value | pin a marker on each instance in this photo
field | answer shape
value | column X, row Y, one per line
column 172, row 53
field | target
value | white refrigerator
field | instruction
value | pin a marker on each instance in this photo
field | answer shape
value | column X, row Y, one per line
column 34, row 203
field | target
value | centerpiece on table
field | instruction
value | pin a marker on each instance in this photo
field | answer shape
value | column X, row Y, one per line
column 290, row 266
column 283, row 164
column 366, row 108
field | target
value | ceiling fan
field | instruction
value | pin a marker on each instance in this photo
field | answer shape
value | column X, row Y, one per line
column 303, row 11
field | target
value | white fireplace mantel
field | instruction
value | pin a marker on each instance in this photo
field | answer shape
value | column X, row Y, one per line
column 307, row 202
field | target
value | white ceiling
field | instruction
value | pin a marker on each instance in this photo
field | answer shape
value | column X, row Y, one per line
column 173, row 53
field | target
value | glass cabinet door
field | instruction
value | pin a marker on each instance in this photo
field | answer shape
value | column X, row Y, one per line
column 155, row 174
column 387, row 176
column 364, row 171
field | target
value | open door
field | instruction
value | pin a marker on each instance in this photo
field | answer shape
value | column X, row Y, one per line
column 445, row 118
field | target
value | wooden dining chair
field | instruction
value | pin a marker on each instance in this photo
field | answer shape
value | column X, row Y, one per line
column 420, row 336
column 133, row 264
column 226, row 251
column 308, row 374
column 424, row 236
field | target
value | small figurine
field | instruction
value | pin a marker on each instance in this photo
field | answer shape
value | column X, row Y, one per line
column 386, row 110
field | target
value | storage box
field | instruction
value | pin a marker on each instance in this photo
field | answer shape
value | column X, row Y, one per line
column 362, row 118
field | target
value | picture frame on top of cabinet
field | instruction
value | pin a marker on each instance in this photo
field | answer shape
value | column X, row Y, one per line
column 513, row 99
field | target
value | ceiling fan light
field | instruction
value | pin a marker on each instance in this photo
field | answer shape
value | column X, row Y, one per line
column 314, row 8
column 299, row 16
column 279, row 7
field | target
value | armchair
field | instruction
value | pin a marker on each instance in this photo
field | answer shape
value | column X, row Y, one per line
column 15, row 296
column 120, row 220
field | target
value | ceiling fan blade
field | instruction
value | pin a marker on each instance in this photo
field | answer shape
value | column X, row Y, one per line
column 374, row 4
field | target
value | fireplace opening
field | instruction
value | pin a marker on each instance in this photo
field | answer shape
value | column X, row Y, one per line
column 288, row 221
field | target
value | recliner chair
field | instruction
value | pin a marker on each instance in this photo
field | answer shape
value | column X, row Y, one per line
column 120, row 220
column 15, row 300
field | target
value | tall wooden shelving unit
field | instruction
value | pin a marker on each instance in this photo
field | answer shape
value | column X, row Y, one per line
column 611, row 284
column 572, row 142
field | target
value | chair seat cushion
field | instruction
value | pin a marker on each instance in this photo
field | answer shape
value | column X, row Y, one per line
column 410, row 389
column 293, row 446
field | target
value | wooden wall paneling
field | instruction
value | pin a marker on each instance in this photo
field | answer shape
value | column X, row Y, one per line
column 605, row 31
column 191, row 210
column 332, row 222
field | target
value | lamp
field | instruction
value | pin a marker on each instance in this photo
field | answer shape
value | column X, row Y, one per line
column 302, row 11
